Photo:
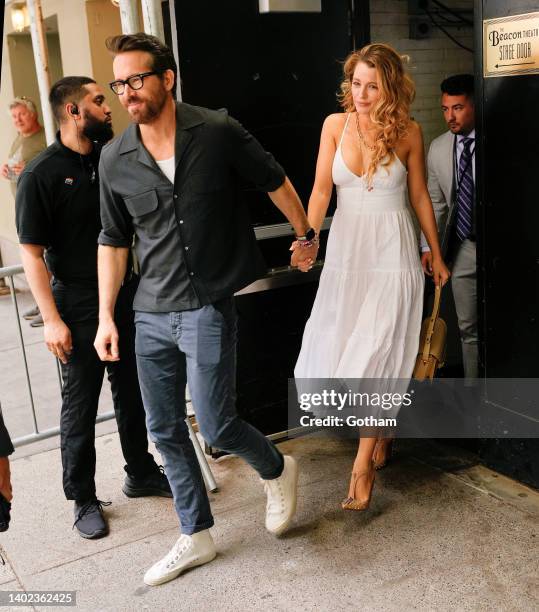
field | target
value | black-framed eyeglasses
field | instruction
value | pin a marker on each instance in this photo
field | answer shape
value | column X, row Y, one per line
column 135, row 82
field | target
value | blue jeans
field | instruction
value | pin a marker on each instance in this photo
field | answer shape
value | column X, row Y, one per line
column 197, row 347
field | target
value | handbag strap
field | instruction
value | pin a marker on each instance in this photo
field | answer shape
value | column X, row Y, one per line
column 433, row 317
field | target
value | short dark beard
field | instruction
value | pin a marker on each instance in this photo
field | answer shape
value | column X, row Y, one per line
column 152, row 111
column 97, row 130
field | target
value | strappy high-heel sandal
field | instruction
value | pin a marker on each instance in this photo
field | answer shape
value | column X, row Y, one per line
column 350, row 503
column 378, row 465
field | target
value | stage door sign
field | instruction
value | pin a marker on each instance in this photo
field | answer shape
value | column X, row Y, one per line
column 511, row 45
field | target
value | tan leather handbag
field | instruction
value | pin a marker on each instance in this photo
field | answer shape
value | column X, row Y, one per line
column 431, row 355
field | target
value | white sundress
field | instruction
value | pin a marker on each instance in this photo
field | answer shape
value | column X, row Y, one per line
column 366, row 317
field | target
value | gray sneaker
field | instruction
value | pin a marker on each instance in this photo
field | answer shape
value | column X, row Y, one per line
column 37, row 322
column 30, row 313
column 89, row 519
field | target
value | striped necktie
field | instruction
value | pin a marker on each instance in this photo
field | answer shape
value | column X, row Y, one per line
column 465, row 195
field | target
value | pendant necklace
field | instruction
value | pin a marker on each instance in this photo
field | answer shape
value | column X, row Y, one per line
column 362, row 141
column 361, row 137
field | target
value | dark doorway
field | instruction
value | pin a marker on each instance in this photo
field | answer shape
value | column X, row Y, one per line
column 508, row 158
column 278, row 74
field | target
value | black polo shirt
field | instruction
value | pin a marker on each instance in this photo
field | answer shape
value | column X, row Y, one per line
column 57, row 206
column 193, row 239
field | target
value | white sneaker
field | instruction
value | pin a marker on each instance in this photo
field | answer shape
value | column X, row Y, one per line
column 282, row 497
column 189, row 551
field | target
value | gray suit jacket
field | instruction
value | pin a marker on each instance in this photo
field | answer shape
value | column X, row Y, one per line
column 441, row 185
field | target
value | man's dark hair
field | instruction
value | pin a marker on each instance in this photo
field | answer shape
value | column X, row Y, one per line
column 162, row 56
column 68, row 89
column 459, row 85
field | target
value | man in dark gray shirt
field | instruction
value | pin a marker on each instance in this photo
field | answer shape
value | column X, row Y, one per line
column 170, row 180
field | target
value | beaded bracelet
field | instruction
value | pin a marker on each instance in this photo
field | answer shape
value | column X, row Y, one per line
column 308, row 243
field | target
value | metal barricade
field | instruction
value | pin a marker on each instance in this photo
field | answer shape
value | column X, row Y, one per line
column 8, row 273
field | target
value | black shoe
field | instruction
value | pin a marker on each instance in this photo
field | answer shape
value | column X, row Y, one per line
column 89, row 519
column 155, row 483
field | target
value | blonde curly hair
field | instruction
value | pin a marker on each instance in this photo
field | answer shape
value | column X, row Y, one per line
column 391, row 113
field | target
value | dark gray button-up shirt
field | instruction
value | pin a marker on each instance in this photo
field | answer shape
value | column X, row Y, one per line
column 194, row 240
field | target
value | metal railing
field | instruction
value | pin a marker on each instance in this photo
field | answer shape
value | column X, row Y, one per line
column 9, row 273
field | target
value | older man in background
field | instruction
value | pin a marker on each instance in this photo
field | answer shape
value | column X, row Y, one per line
column 30, row 141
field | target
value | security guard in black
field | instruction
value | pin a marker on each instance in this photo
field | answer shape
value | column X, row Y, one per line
column 57, row 207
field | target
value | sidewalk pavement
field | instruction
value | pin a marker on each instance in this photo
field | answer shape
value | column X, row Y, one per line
column 442, row 533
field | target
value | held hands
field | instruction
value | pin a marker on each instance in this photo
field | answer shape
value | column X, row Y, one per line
column 303, row 258
column 5, row 479
column 106, row 341
column 58, row 339
column 4, row 171
column 435, row 267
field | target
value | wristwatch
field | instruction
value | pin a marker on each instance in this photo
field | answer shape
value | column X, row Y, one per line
column 310, row 234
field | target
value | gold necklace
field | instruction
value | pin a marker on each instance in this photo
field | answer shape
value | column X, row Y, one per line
column 362, row 138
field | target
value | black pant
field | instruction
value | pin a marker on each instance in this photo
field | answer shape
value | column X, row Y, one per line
column 83, row 378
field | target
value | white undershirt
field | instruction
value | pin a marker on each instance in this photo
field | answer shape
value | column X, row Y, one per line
column 168, row 168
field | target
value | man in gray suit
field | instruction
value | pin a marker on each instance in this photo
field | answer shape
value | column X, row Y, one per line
column 451, row 183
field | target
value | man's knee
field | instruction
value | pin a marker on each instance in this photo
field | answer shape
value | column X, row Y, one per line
column 163, row 431
column 468, row 332
column 224, row 436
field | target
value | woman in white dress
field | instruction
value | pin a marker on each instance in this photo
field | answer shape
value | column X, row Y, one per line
column 366, row 317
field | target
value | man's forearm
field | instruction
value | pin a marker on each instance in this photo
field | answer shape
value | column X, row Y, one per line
column 111, row 267
column 287, row 201
column 38, row 278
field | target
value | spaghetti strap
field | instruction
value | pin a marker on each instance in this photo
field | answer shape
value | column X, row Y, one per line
column 344, row 130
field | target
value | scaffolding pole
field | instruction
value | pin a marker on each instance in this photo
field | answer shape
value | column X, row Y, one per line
column 152, row 14
column 41, row 57
column 129, row 17
column 174, row 34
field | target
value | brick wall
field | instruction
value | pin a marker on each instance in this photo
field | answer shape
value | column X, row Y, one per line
column 431, row 59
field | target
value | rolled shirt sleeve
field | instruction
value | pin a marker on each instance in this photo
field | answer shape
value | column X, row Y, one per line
column 251, row 161
column 117, row 227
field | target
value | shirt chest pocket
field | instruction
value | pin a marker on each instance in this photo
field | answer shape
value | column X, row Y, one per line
column 150, row 215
